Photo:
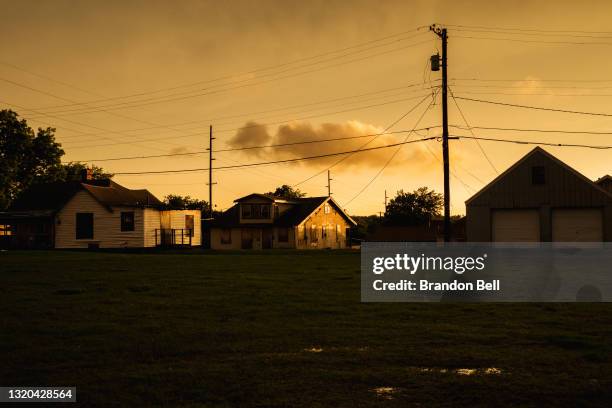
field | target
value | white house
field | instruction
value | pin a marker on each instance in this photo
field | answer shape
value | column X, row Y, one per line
column 96, row 214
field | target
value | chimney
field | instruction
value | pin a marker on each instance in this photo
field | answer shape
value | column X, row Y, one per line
column 86, row 175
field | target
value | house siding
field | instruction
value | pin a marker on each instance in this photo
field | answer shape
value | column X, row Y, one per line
column 319, row 218
column 107, row 225
column 152, row 222
column 563, row 189
column 177, row 221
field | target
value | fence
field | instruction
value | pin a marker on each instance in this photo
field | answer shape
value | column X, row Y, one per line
column 167, row 237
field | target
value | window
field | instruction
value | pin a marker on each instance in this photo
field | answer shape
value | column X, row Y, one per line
column 338, row 233
column 226, row 236
column 5, row 230
column 256, row 211
column 324, row 232
column 189, row 224
column 246, row 210
column 327, row 209
column 305, row 231
column 283, row 235
column 276, row 211
column 538, row 175
column 84, row 226
column 265, row 211
column 313, row 233
column 127, row 221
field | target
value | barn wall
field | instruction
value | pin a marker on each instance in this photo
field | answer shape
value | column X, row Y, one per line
column 107, row 225
column 563, row 189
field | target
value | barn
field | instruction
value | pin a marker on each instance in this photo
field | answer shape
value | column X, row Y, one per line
column 540, row 198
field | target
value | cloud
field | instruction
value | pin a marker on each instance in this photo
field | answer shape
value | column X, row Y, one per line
column 179, row 150
column 251, row 134
column 350, row 137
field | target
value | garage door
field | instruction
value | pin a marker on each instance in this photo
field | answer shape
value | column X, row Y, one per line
column 577, row 225
column 516, row 226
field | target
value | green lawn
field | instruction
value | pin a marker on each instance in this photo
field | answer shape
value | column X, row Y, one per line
column 278, row 329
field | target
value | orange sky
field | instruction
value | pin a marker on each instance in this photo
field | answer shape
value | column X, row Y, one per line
column 135, row 78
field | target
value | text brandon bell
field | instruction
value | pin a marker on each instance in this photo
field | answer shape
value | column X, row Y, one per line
column 424, row 285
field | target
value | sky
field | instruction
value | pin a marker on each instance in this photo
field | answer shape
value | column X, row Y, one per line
column 124, row 79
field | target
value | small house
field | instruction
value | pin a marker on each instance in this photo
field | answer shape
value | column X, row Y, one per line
column 95, row 214
column 261, row 221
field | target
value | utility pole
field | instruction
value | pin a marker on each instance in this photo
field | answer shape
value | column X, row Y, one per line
column 441, row 32
column 386, row 202
column 210, row 173
column 329, row 180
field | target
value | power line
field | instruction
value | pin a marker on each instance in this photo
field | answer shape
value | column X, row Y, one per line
column 263, row 124
column 267, row 68
column 182, row 96
column 548, row 34
column 531, row 142
column 247, row 114
column 573, row 132
column 534, row 107
column 365, row 144
column 251, row 147
column 533, row 94
column 534, row 41
column 250, row 114
column 369, row 183
column 468, row 125
column 538, row 30
column 319, row 156
column 529, row 80
column 77, row 123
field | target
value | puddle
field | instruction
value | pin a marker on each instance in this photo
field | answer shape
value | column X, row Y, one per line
column 462, row 371
column 385, row 392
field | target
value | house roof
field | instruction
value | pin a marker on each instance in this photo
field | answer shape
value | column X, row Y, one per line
column 53, row 196
column 538, row 150
column 266, row 197
column 606, row 178
column 302, row 209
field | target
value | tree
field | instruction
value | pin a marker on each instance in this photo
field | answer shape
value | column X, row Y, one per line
column 177, row 202
column 286, row 191
column 24, row 155
column 366, row 224
column 413, row 208
column 73, row 172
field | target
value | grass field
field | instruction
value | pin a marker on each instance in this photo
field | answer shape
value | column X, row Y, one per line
column 282, row 329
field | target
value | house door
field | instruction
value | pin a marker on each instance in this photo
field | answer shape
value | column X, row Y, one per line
column 267, row 235
column 247, row 238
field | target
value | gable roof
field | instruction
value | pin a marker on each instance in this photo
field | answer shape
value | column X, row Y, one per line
column 538, row 150
column 302, row 209
column 266, row 197
column 53, row 196
column 604, row 179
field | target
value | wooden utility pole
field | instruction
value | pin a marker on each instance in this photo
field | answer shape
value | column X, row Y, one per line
column 210, row 173
column 329, row 180
column 386, row 201
column 441, row 32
